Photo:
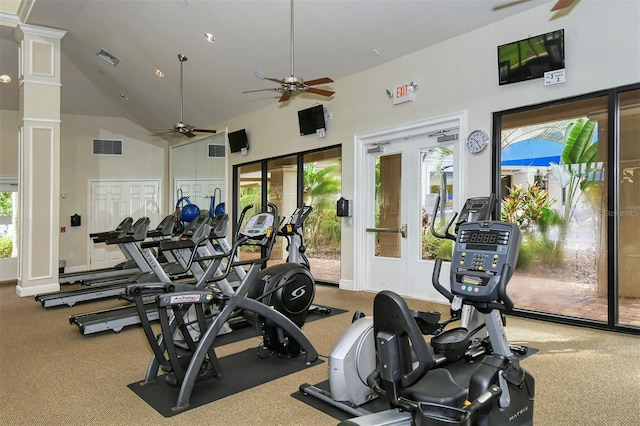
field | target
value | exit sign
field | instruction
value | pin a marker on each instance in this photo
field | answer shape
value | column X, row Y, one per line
column 402, row 93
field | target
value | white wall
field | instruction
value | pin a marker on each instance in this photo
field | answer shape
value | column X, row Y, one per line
column 144, row 157
column 602, row 51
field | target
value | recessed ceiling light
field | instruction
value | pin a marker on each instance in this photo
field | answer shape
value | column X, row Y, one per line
column 210, row 37
column 124, row 97
column 4, row 78
column 159, row 73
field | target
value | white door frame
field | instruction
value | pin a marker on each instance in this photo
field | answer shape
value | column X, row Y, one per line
column 361, row 144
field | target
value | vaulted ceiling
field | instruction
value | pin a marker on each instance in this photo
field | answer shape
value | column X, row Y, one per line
column 332, row 38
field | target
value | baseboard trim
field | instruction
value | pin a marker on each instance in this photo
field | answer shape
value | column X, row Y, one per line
column 348, row 285
column 38, row 289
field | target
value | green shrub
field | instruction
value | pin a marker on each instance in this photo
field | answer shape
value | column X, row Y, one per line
column 537, row 251
column 6, row 246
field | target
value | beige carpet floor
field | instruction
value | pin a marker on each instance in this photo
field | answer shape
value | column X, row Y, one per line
column 52, row 374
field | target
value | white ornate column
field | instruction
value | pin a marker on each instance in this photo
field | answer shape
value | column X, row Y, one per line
column 39, row 159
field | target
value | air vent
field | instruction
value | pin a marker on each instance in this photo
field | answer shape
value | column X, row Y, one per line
column 216, row 151
column 108, row 57
column 447, row 138
column 107, row 147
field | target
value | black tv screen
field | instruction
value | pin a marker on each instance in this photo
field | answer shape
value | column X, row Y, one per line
column 531, row 57
column 311, row 120
column 238, row 140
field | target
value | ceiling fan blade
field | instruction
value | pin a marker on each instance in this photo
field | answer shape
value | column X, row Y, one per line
column 188, row 134
column 561, row 4
column 320, row 92
column 317, row 81
column 263, row 90
column 203, row 131
column 508, row 4
column 285, row 96
column 275, row 80
column 162, row 132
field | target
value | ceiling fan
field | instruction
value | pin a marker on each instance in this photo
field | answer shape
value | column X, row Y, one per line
column 181, row 127
column 560, row 4
column 292, row 84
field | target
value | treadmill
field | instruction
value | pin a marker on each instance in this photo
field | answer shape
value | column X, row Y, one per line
column 114, row 287
column 199, row 240
column 123, row 268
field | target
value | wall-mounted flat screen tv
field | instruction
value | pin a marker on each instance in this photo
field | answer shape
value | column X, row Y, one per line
column 311, row 120
column 530, row 58
column 238, row 141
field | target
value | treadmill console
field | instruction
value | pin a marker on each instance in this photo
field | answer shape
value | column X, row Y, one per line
column 476, row 209
column 481, row 251
column 296, row 220
column 259, row 226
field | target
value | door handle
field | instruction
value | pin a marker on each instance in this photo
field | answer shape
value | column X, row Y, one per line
column 402, row 230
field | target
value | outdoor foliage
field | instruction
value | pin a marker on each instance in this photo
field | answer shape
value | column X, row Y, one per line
column 531, row 209
column 5, row 204
column 432, row 246
column 579, row 170
column 323, row 227
column 6, row 246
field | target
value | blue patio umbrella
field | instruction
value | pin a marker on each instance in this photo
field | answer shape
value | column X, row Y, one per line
column 532, row 152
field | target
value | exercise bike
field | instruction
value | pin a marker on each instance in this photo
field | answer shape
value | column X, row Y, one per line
column 495, row 390
column 353, row 357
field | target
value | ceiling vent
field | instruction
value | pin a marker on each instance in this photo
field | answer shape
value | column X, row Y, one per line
column 216, row 151
column 107, row 147
column 108, row 57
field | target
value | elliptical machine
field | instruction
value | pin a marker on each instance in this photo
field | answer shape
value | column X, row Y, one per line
column 353, row 357
column 293, row 298
column 288, row 301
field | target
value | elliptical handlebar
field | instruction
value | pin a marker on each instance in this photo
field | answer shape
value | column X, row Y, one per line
column 435, row 280
column 447, row 234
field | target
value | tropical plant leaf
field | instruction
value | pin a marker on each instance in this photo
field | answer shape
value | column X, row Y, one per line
column 578, row 142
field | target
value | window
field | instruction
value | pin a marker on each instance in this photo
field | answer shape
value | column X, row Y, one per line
column 566, row 177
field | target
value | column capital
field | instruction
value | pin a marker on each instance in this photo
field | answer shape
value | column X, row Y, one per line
column 34, row 30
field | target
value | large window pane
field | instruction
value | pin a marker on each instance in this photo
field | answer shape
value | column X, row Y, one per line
column 282, row 186
column 320, row 178
column 554, row 176
column 628, row 213
column 322, row 189
column 250, row 188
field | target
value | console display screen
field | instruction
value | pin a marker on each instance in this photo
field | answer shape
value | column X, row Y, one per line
column 484, row 240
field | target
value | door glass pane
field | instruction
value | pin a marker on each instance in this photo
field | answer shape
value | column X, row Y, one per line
column 554, row 176
column 282, row 186
column 388, row 195
column 322, row 189
column 436, row 177
column 629, row 208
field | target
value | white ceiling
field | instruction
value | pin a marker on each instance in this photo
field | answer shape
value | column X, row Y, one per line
column 332, row 38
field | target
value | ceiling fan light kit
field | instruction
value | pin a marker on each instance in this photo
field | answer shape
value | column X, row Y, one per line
column 293, row 85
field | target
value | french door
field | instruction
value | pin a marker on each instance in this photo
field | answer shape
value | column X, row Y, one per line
column 401, row 180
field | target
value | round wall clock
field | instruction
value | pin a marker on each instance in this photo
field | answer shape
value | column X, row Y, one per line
column 477, row 141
